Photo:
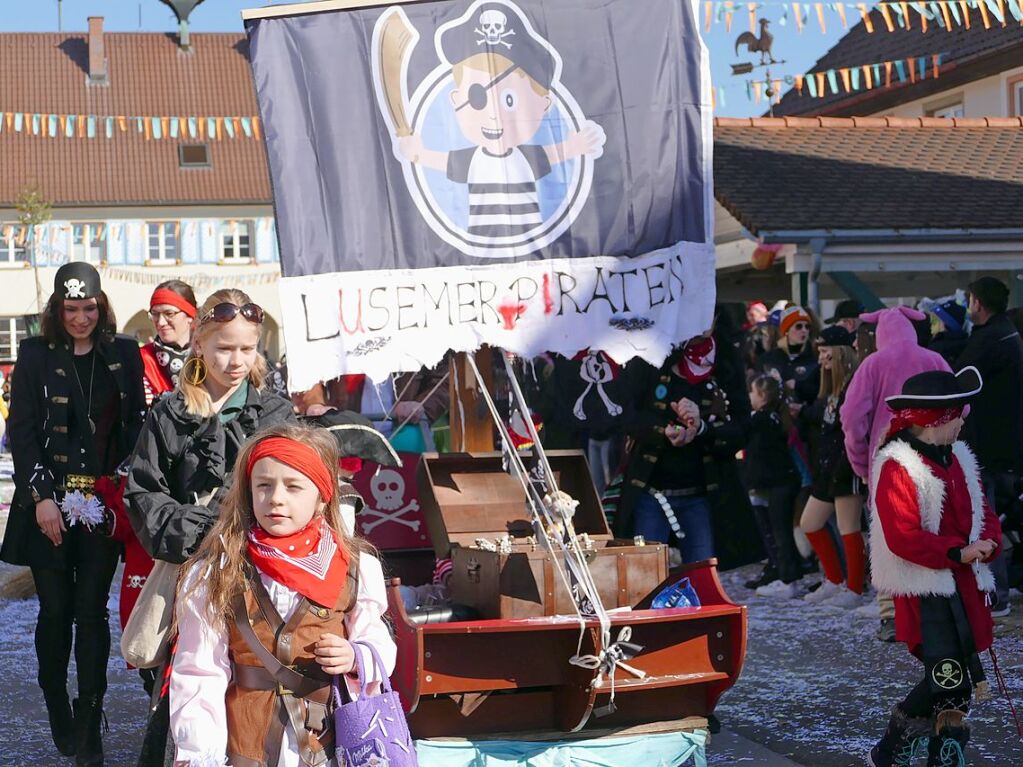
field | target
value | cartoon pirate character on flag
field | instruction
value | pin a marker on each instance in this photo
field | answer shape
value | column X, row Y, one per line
column 505, row 81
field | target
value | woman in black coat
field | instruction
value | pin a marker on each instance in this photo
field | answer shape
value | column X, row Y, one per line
column 189, row 443
column 77, row 405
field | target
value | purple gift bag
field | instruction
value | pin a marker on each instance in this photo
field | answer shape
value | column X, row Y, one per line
column 371, row 731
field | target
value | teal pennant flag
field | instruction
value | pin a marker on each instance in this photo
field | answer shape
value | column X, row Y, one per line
column 174, row 127
column 192, row 127
column 246, row 127
column 90, row 126
column 833, row 80
column 900, row 67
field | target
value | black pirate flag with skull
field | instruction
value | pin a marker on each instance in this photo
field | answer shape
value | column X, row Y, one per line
column 592, row 392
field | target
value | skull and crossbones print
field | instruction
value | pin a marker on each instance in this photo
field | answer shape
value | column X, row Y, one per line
column 492, row 28
column 596, row 370
column 388, row 489
column 136, row 581
column 74, row 288
column 947, row 674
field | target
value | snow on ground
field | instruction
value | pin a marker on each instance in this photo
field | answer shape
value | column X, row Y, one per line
column 818, row 686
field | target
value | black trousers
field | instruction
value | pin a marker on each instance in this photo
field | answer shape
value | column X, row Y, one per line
column 948, row 657
column 775, row 522
column 73, row 610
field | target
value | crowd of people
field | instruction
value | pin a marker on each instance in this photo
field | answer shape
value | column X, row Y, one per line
column 205, row 468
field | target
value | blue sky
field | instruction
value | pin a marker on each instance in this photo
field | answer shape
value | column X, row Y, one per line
column 799, row 50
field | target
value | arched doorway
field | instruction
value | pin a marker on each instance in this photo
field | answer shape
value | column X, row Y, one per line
column 139, row 327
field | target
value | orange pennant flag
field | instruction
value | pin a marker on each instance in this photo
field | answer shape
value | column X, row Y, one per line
column 236, row 124
column 845, row 79
column 165, row 127
column 728, row 21
column 905, row 15
column 776, row 85
column 147, row 129
column 122, row 123
column 820, row 84
column 63, row 124
column 840, row 7
column 965, row 6
column 752, row 17
column 713, row 100
column 255, row 128
column 708, row 16
column 10, row 119
column 202, row 126
column 867, row 22
column 819, row 7
column 799, row 84
column 983, row 14
column 756, row 92
column 797, row 12
column 887, row 14
column 1001, row 12
column 911, row 66
column 867, row 76
column 946, row 16
column 177, row 230
column 219, row 123
column 935, row 66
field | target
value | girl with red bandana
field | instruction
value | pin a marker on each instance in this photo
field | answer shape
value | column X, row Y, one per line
column 932, row 534
column 276, row 598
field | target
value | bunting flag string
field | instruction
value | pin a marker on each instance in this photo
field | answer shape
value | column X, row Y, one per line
column 844, row 80
column 152, row 128
column 891, row 16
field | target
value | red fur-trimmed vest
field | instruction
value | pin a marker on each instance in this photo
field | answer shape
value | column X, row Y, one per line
column 258, row 705
column 893, row 574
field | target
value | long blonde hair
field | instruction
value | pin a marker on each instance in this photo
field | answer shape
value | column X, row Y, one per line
column 221, row 562
column 843, row 365
column 197, row 398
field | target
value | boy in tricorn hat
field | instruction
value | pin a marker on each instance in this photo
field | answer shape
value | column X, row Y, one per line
column 932, row 534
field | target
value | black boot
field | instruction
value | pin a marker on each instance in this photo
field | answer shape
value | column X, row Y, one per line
column 62, row 723
column 88, row 738
column 903, row 740
column 948, row 747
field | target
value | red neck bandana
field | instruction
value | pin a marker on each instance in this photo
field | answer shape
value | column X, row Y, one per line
column 163, row 296
column 310, row 562
column 299, row 457
column 697, row 362
column 924, row 417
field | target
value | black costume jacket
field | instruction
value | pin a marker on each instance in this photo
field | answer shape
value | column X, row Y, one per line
column 50, row 436
column 179, row 459
column 709, row 460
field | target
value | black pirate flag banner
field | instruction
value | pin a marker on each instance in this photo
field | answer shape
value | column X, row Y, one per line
column 533, row 174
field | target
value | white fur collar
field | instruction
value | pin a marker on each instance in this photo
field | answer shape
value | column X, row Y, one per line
column 892, row 573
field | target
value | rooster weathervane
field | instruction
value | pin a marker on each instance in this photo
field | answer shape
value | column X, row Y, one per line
column 761, row 45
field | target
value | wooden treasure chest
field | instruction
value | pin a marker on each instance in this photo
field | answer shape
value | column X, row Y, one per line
column 478, row 512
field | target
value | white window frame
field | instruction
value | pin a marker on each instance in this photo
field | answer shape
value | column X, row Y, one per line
column 1017, row 98
column 231, row 242
column 164, row 229
column 82, row 251
column 12, row 330
column 12, row 254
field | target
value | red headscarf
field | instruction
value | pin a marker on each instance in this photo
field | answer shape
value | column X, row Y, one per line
column 697, row 362
column 924, row 417
column 298, row 456
column 163, row 296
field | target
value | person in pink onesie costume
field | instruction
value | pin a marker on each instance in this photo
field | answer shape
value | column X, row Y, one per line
column 865, row 415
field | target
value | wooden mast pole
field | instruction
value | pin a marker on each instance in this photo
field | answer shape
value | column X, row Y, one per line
column 472, row 429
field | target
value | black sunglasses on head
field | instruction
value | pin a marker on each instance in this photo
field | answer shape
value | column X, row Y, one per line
column 227, row 312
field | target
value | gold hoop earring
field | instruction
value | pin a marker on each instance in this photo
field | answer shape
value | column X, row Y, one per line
column 197, row 374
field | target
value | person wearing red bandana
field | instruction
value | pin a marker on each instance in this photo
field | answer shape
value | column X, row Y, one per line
column 932, row 536
column 172, row 308
column 690, row 418
column 270, row 608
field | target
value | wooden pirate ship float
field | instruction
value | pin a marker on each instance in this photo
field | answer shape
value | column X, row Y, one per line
column 510, row 669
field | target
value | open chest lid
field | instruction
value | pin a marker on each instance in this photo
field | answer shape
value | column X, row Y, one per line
column 465, row 496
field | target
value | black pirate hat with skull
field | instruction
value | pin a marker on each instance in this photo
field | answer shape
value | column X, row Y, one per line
column 497, row 28
column 77, row 279
column 356, row 437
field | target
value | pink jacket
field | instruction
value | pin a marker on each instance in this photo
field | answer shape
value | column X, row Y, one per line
column 865, row 415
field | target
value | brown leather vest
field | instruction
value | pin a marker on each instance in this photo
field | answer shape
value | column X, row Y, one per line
column 258, row 705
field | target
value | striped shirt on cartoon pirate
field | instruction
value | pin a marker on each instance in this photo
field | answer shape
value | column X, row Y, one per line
column 502, row 92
